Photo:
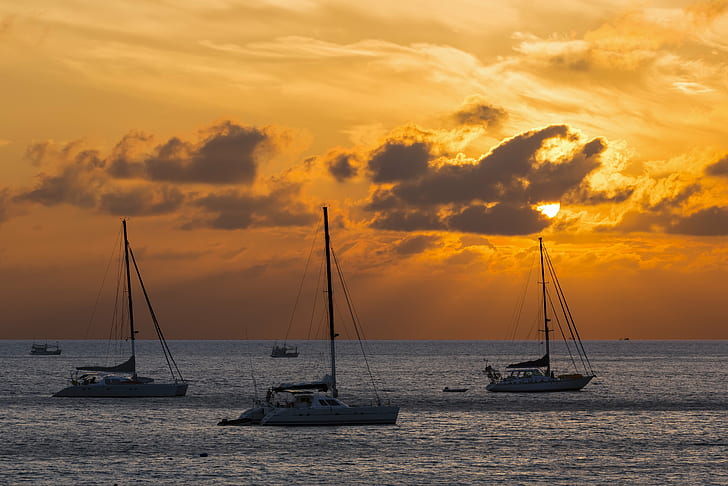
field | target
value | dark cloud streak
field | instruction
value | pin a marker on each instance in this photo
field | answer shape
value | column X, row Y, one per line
column 493, row 196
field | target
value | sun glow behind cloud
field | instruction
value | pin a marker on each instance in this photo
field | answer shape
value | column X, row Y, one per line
column 550, row 210
column 440, row 154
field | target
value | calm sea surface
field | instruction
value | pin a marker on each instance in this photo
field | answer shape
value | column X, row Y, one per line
column 657, row 413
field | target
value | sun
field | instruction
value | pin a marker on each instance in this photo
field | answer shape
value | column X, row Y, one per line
column 550, row 210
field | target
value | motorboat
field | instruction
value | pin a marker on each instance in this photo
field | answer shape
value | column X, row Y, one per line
column 45, row 349
column 284, row 351
column 447, row 389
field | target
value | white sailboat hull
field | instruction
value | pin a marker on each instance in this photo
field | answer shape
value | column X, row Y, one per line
column 131, row 390
column 307, row 403
column 545, row 385
column 374, row 415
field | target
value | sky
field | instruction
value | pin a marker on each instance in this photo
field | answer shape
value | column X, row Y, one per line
column 445, row 137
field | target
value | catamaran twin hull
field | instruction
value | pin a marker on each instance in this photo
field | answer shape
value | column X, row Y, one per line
column 564, row 384
column 138, row 390
column 374, row 415
column 343, row 416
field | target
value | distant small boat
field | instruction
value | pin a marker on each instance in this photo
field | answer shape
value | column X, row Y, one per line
column 284, row 351
column 447, row 389
column 45, row 349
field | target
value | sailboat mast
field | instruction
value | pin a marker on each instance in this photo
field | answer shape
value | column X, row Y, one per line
column 329, row 293
column 545, row 316
column 128, row 291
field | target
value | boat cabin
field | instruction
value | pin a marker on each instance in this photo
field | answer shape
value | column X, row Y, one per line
column 526, row 375
column 303, row 399
column 96, row 378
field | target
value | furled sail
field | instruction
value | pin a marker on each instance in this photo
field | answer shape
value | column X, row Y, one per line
column 323, row 385
column 302, row 386
column 536, row 363
column 128, row 366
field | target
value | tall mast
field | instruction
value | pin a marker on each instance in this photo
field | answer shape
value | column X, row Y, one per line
column 128, row 292
column 545, row 316
column 332, row 333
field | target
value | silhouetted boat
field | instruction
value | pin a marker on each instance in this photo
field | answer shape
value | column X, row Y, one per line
column 284, row 351
column 537, row 375
column 447, row 389
column 45, row 349
column 315, row 403
column 122, row 381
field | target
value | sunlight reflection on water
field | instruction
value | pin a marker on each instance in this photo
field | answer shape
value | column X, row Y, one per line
column 652, row 415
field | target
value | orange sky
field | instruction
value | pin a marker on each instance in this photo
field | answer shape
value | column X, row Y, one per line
column 434, row 130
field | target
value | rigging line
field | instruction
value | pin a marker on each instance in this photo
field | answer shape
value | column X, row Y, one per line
column 101, row 288
column 165, row 348
column 564, row 311
column 563, row 335
column 580, row 345
column 582, row 351
column 350, row 304
column 252, row 370
column 518, row 310
column 320, row 336
column 352, row 309
column 303, row 280
column 315, row 300
column 117, row 318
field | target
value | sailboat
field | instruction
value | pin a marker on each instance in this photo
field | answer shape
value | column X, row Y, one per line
column 122, row 380
column 315, row 403
column 537, row 375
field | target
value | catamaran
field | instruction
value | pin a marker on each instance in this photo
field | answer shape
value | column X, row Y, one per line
column 537, row 375
column 315, row 403
column 122, row 380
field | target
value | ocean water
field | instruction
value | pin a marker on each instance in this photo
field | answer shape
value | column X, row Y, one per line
column 657, row 413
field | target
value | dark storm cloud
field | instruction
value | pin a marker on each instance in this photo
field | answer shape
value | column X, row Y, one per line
column 639, row 222
column 506, row 174
column 408, row 220
column 227, row 155
column 415, row 244
column 235, row 210
column 501, row 219
column 399, row 161
column 341, row 167
column 676, row 200
column 711, row 221
column 381, row 200
column 141, row 201
column 586, row 195
column 551, row 181
column 74, row 185
column 719, row 168
column 479, row 113
column 122, row 163
column 492, row 196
